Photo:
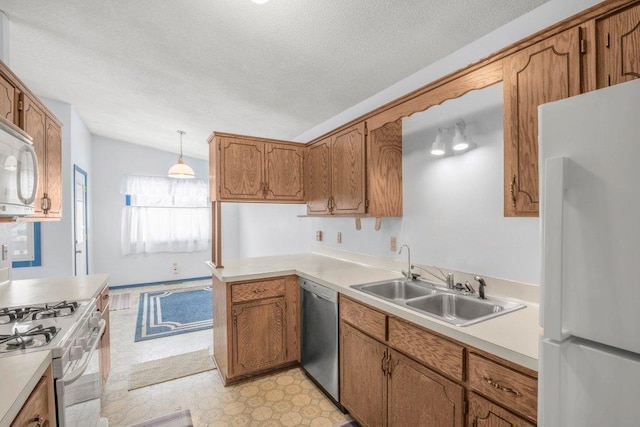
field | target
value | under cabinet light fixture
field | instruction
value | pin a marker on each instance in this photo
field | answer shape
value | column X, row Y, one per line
column 181, row 169
column 445, row 145
column 438, row 147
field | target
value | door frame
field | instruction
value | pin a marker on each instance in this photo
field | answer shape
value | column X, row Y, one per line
column 76, row 168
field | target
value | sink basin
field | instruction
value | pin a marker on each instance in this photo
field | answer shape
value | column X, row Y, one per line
column 462, row 310
column 455, row 308
column 396, row 290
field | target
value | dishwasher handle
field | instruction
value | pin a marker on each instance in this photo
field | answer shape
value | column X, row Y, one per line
column 319, row 291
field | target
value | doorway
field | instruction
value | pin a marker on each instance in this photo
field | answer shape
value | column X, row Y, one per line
column 80, row 230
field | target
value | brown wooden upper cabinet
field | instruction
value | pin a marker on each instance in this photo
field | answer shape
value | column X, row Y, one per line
column 545, row 72
column 353, row 172
column 46, row 132
column 618, row 47
column 8, row 100
column 244, row 168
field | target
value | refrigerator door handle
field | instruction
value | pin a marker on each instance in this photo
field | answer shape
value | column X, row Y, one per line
column 554, row 186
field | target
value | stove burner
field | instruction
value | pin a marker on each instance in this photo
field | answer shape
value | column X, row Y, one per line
column 37, row 336
column 47, row 311
column 10, row 315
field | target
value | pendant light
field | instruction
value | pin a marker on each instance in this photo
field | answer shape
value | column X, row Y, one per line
column 181, row 169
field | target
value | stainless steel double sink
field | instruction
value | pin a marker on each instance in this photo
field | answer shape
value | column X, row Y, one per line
column 452, row 307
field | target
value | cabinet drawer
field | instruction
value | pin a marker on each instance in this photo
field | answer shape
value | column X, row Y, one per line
column 364, row 318
column 514, row 390
column 36, row 407
column 436, row 352
column 257, row 290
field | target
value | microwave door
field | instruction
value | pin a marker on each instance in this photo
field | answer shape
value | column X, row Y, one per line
column 27, row 179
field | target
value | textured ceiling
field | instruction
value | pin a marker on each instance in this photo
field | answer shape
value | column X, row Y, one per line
column 139, row 70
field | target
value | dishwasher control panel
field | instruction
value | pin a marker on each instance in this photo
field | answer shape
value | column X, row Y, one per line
column 319, row 290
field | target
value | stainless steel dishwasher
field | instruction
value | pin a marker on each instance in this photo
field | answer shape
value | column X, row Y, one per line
column 319, row 331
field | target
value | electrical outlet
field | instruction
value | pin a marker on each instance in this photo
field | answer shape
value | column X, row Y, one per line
column 319, row 236
column 339, row 237
column 394, row 245
column 175, row 268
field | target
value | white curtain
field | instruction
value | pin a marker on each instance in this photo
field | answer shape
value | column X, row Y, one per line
column 165, row 215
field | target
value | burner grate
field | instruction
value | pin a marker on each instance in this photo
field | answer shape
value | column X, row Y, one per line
column 46, row 311
column 37, row 336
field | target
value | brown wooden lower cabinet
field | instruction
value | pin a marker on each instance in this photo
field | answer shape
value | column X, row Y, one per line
column 259, row 335
column 104, row 348
column 417, row 396
column 39, row 409
column 362, row 379
column 407, row 375
column 483, row 413
column 255, row 326
column 381, row 387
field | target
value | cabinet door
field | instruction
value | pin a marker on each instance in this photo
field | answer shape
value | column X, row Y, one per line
column 348, row 171
column 53, row 168
column 283, row 172
column 545, row 72
column 241, row 174
column 259, row 335
column 33, row 121
column 318, row 177
column 8, row 100
column 362, row 379
column 618, row 47
column 419, row 396
column 483, row 413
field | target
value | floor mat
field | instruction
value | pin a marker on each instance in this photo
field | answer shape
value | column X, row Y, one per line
column 170, row 368
column 120, row 302
column 178, row 311
column 177, row 419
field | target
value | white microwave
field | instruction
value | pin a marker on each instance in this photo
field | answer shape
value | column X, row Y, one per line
column 18, row 171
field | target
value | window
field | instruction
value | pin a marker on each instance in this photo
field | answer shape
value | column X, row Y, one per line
column 165, row 215
column 25, row 245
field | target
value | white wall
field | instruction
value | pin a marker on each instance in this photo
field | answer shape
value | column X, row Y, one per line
column 111, row 160
column 453, row 208
column 272, row 229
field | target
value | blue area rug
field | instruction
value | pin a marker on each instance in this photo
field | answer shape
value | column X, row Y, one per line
column 178, row 311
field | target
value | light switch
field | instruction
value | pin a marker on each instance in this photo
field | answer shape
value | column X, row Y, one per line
column 394, row 245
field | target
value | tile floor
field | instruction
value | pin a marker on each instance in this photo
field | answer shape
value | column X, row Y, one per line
column 287, row 398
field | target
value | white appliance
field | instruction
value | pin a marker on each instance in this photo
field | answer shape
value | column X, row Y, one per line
column 18, row 171
column 590, row 212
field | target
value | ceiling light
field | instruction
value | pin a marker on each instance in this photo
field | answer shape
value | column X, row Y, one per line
column 438, row 148
column 460, row 141
column 181, row 169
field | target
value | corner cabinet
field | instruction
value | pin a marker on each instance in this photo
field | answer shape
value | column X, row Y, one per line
column 248, row 169
column 356, row 173
column 547, row 71
column 255, row 326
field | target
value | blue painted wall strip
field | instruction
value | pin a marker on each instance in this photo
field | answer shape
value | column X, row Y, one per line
column 37, row 250
column 164, row 282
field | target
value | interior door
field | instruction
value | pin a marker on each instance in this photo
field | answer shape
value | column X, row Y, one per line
column 80, row 221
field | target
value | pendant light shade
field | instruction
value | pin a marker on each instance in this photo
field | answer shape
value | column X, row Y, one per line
column 181, row 169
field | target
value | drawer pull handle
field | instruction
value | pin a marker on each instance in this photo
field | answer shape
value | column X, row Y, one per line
column 37, row 420
column 492, row 383
column 259, row 291
column 384, row 359
column 513, row 192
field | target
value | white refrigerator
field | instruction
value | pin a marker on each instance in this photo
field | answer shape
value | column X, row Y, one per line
column 589, row 148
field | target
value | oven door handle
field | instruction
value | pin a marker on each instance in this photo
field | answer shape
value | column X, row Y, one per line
column 77, row 373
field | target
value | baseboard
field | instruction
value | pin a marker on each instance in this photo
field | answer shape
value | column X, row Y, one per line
column 163, row 282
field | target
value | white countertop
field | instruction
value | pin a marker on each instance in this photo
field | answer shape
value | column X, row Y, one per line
column 20, row 374
column 513, row 336
column 37, row 291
